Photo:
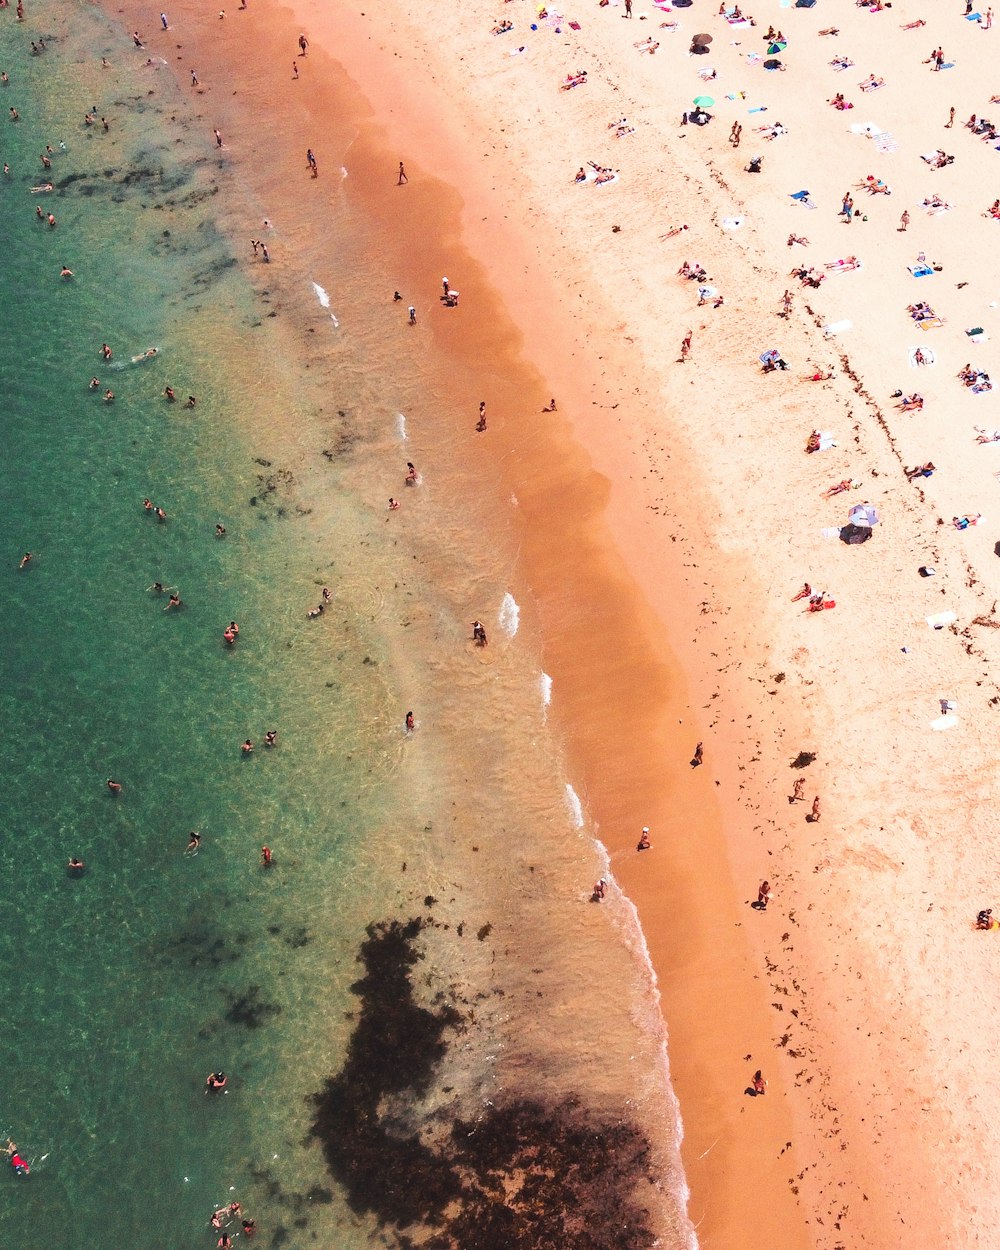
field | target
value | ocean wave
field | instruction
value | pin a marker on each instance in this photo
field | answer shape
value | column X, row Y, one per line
column 545, row 687
column 401, row 427
column 575, row 807
column 509, row 615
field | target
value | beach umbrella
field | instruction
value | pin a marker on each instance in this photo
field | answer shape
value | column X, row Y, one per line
column 863, row 515
column 701, row 39
column 703, row 101
column 772, row 64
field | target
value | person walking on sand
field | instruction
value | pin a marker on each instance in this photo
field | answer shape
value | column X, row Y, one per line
column 295, row 69
column 904, row 221
column 303, row 44
column 628, row 8
column 814, row 813
column 218, row 138
column 786, row 304
column 763, row 895
column 402, row 175
column 951, row 119
column 734, row 134
column 758, row 1084
column 699, row 752
column 797, row 789
column 686, row 345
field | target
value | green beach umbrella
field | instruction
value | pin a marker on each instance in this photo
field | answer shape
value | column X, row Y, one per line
column 703, row 101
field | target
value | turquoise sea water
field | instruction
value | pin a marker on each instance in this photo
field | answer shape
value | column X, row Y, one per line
column 125, row 986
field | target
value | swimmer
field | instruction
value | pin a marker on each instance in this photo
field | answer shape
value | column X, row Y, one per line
column 147, row 505
column 229, row 636
column 410, row 723
column 194, row 842
column 51, row 220
column 644, row 843
column 25, row 560
column 234, row 1209
column 75, row 866
column 191, row 402
column 66, row 272
column 16, row 1162
column 247, row 748
column 266, row 858
column 38, row 212
column 109, row 397
column 215, row 1081
column 393, row 504
column 271, row 738
column 173, row 602
column 161, row 516
column 600, row 890
column 106, row 351
column 115, row 787
column 168, row 392
column 156, row 588
column 249, row 1227
column 234, row 627
column 327, row 596
column 220, row 530
column 411, row 474
column 318, row 610
column 95, row 383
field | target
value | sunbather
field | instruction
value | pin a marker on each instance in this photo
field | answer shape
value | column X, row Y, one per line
column 798, row 238
column 987, row 436
column 963, row 522
column 839, row 489
column 830, row 30
column 574, row 80
column 911, row 403
column 502, row 27
column 871, row 83
column 846, row 263
column 839, row 102
column 921, row 470
column 876, row 186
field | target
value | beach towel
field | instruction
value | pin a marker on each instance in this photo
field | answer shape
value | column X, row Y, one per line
column 940, row 619
column 930, row 323
column 977, row 334
column 928, row 355
column 885, row 142
column 732, row 223
column 921, row 271
column 870, row 129
column 837, row 327
column 944, row 722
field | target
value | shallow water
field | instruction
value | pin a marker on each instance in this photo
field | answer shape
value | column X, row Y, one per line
column 126, row 986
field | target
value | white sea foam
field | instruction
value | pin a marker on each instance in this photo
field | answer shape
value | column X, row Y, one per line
column 575, row 807
column 324, row 302
column 510, row 615
column 647, row 1012
column 401, row 427
column 343, row 171
column 545, row 686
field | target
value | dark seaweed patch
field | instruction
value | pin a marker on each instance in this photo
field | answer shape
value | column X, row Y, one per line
column 249, row 1009
column 523, row 1176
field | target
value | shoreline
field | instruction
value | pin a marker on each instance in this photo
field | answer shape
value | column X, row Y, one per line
column 716, row 992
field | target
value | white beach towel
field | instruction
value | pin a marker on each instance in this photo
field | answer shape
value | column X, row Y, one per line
column 928, row 354
column 837, row 327
column 940, row 619
column 944, row 722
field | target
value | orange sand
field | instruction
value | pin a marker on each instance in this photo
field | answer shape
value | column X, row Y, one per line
column 671, row 513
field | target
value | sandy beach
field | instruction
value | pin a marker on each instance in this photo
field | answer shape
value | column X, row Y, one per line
column 671, row 513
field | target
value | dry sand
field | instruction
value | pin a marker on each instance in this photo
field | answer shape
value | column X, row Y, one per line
column 672, row 513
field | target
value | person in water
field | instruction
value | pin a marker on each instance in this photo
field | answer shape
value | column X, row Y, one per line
column 25, row 560
column 478, row 634
column 271, row 738
column 16, row 1162
column 194, row 842
column 75, row 866
column 266, row 857
column 247, row 747
column 410, row 723
column 215, row 1081
column 173, row 602
column 114, row 786
column 220, row 530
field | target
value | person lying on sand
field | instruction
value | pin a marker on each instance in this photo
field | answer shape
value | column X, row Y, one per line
column 574, row 80
column 839, row 102
column 911, row 25
column 502, row 27
column 921, row 470
column 987, row 436
column 797, row 238
column 875, row 185
column 833, row 30
column 845, row 484
column 871, row 83
column 911, row 403
column 963, row 522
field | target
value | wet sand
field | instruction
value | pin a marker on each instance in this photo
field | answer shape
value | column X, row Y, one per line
column 669, row 516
